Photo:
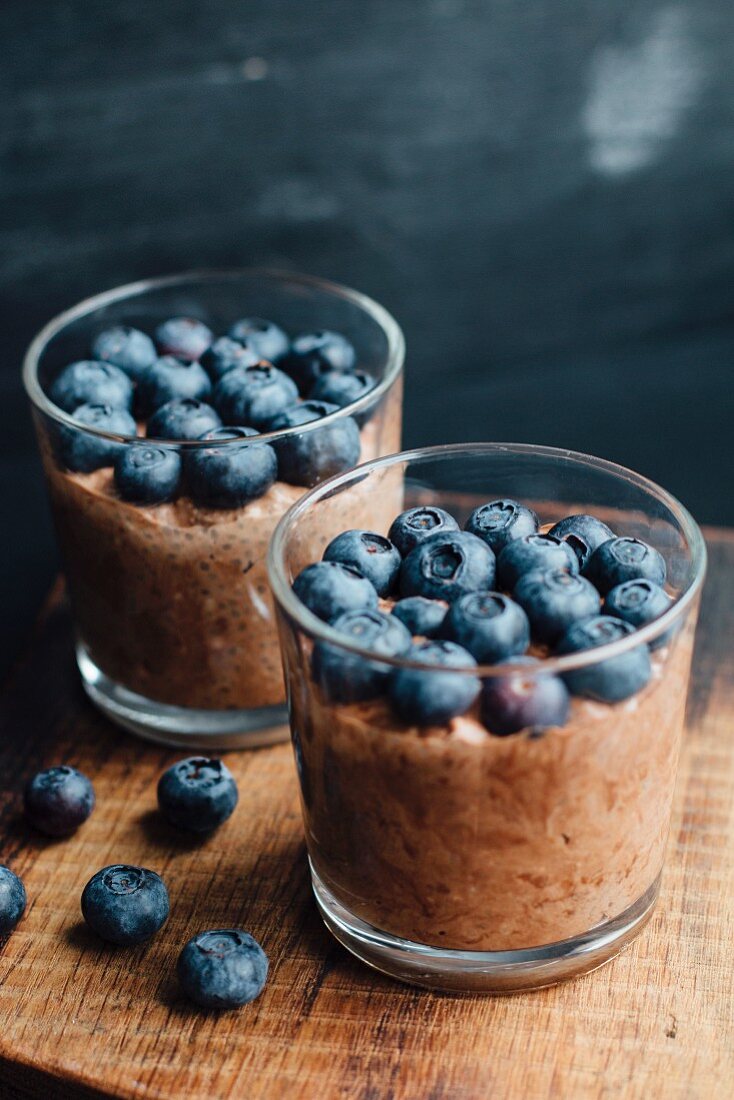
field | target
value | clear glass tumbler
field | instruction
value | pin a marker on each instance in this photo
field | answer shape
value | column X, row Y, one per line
column 176, row 638
column 449, row 856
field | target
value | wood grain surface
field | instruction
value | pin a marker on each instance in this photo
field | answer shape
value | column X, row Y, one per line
column 80, row 1019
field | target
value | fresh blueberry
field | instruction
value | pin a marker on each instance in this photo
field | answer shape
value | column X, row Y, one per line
column 265, row 338
column 638, row 602
column 224, row 355
column 489, row 625
column 147, row 475
column 624, row 559
column 315, row 353
column 346, row 677
column 343, row 388
column 553, row 599
column 92, row 383
column 124, row 904
column 57, row 801
column 183, row 337
column 532, row 700
column 610, row 680
column 168, row 380
column 254, row 395
column 229, row 474
column 127, row 348
column 421, row 616
column 329, row 589
column 533, row 552
column 373, row 555
column 446, row 565
column 500, row 522
column 313, row 456
column 422, row 697
column 418, row 524
column 583, row 534
column 82, row 452
column 12, row 900
column 223, row 968
column 183, row 418
column 197, row 794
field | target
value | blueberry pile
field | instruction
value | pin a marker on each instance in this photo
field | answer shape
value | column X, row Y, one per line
column 499, row 591
column 187, row 384
column 127, row 905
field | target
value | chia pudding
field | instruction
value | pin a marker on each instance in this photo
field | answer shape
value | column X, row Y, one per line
column 164, row 528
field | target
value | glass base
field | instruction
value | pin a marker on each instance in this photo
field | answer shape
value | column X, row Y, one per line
column 181, row 727
column 483, row 971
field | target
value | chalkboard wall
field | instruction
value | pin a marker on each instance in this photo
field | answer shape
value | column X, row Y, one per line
column 542, row 192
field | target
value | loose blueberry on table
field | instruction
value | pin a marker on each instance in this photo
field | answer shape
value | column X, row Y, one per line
column 197, row 794
column 222, row 968
column 12, row 900
column 58, row 800
column 183, row 382
column 504, row 591
column 124, row 904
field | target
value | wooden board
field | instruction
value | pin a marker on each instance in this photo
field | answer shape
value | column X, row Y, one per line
column 78, row 1018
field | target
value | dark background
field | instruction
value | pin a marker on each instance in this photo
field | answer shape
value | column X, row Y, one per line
column 541, row 191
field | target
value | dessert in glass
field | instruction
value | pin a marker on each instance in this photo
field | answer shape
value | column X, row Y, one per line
column 178, row 419
column 486, row 697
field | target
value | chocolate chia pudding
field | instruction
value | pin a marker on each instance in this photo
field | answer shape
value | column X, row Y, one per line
column 175, row 432
column 474, row 778
column 459, row 839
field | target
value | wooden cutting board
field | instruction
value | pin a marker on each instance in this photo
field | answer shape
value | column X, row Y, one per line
column 80, row 1019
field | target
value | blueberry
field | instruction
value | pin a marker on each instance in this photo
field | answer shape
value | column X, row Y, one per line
column 184, row 337
column 533, row 552
column 91, row 383
column 57, row 801
column 224, row 355
column 231, row 474
column 532, row 700
column 127, row 348
column 446, row 565
column 197, row 794
column 169, row 379
column 12, row 900
column 265, row 338
column 610, row 680
column 183, row 418
column 147, row 475
column 638, row 602
column 489, row 625
column 345, row 677
column 418, row 524
column 583, row 534
column 82, row 452
column 254, row 395
column 553, row 599
column 624, row 559
column 421, row 616
column 223, row 968
column 313, row 456
column 343, row 388
column 328, row 589
column 315, row 353
column 421, row 697
column 500, row 522
column 373, row 555
column 124, row 904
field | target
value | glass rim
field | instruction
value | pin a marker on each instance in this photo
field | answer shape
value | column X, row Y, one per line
column 394, row 359
column 321, row 631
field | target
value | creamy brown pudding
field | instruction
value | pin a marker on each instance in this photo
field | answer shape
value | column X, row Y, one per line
column 172, row 600
column 456, row 838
